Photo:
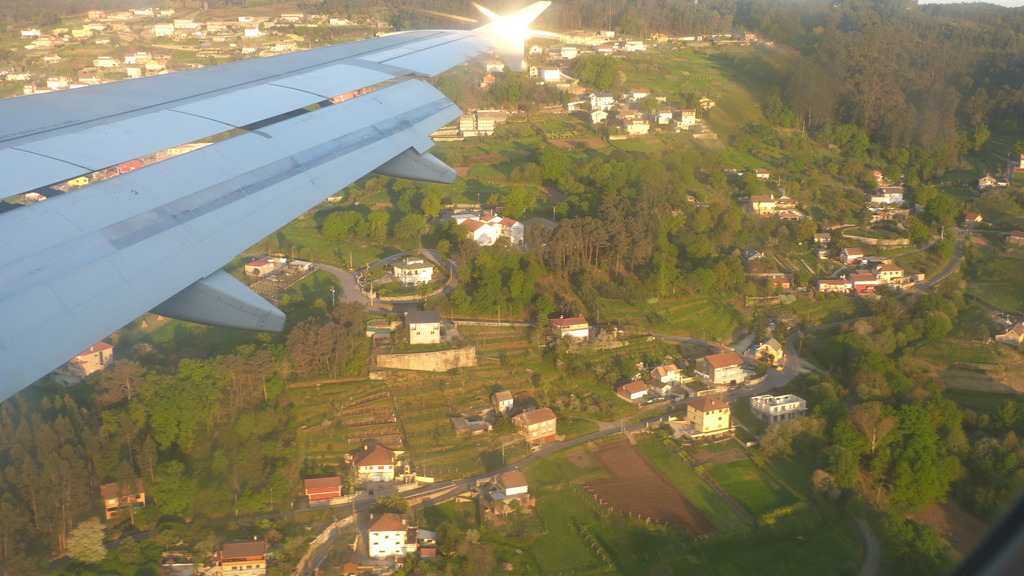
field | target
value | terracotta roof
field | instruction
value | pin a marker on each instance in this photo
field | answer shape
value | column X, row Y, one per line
column 833, row 282
column 664, row 370
column 244, row 549
column 376, row 456
column 97, row 347
column 513, row 479
column 473, row 225
column 708, row 403
column 865, row 277
column 1017, row 234
column 633, row 387
column 566, row 322
column 760, row 198
column 888, row 268
column 388, row 522
column 853, row 251
column 321, row 483
column 537, row 416
column 1017, row 330
column 724, row 360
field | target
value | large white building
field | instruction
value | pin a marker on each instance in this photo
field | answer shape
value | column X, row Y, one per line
column 411, row 271
column 774, row 409
column 387, row 536
column 487, row 229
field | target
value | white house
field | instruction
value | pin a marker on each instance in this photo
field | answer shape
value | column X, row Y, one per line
column 486, row 229
column 502, row 401
column 686, row 118
column 575, row 327
column 633, row 391
column 602, row 101
column 598, row 116
column 411, row 271
column 773, row 409
column 424, row 326
column 666, row 373
column 721, row 369
column 387, row 536
column 375, row 464
column 550, row 74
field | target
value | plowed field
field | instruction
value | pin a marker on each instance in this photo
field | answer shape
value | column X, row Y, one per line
column 637, row 488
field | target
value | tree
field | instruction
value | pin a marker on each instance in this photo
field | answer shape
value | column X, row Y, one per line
column 394, row 503
column 410, row 226
column 85, row 544
column 873, row 421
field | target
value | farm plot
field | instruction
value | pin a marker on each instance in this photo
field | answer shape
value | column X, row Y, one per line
column 638, row 489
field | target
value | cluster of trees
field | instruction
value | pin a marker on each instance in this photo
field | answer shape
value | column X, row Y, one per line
column 214, row 435
column 883, row 428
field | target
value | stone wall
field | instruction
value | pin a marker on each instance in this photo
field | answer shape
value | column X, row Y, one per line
column 440, row 361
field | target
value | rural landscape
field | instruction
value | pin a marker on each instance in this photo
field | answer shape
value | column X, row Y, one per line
column 719, row 285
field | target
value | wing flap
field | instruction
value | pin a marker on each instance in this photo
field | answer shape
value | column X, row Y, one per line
column 220, row 300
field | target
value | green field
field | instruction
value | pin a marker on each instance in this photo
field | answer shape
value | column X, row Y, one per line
column 691, row 485
column 955, row 351
column 696, row 316
column 751, row 487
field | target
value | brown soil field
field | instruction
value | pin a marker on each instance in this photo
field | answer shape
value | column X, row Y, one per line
column 961, row 529
column 637, row 488
column 704, row 457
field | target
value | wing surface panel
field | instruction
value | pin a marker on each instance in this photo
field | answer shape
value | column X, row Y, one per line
column 192, row 214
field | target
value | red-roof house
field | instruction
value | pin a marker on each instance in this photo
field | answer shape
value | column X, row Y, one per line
column 721, row 369
column 322, row 490
column 376, row 464
column 243, row 558
column 633, row 391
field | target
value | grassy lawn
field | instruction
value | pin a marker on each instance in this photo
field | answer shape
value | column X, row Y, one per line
column 984, row 402
column 748, row 485
column 696, row 316
column 955, row 351
column 832, row 548
column 575, row 427
column 690, row 485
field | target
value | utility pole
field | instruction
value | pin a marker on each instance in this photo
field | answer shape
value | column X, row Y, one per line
column 332, row 296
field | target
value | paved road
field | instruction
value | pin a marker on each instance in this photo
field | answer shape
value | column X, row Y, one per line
column 349, row 287
column 958, row 258
column 873, row 552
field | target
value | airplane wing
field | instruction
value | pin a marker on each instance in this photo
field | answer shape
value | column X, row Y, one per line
column 78, row 267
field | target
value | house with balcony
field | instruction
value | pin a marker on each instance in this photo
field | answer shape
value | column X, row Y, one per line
column 707, row 417
column 774, row 409
column 375, row 463
column 388, row 536
column 721, row 369
column 411, row 271
column 537, row 426
column 242, row 558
